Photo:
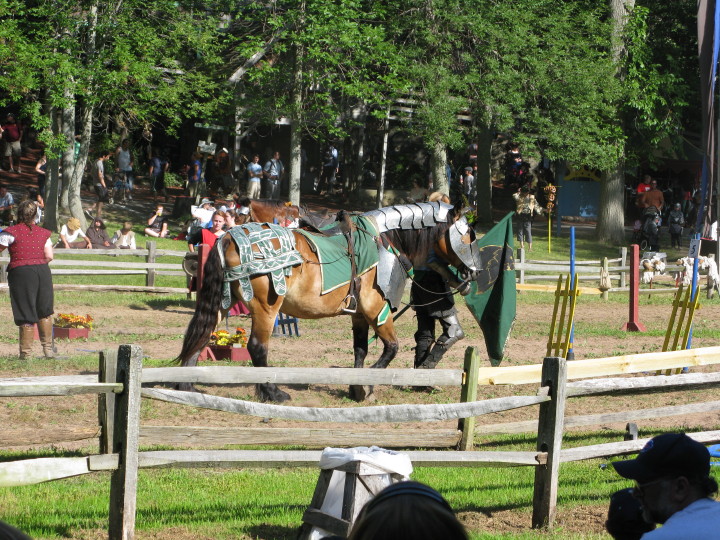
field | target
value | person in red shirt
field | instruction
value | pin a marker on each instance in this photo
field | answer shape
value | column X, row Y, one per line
column 12, row 136
column 644, row 184
column 29, row 278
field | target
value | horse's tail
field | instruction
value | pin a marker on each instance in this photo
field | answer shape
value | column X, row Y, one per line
column 205, row 318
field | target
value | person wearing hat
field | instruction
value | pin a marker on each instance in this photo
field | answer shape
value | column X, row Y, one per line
column 674, row 487
column 29, row 279
column 203, row 213
column 525, row 207
column 69, row 234
column 98, row 236
column 125, row 237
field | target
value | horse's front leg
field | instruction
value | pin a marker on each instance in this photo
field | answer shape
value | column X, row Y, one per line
column 360, row 347
column 386, row 334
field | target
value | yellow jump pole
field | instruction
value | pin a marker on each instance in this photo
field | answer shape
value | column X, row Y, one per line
column 551, row 338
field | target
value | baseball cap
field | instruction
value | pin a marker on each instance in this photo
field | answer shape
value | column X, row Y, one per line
column 670, row 454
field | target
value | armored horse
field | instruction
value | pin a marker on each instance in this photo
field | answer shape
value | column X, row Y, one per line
column 269, row 267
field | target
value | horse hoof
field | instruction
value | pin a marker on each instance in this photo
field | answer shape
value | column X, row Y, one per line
column 274, row 395
column 186, row 387
column 362, row 393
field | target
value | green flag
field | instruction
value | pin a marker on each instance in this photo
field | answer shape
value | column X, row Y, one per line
column 493, row 296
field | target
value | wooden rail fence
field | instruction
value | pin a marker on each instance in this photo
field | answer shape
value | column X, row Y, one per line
column 120, row 389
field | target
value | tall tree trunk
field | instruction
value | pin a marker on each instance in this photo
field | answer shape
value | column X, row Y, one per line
column 438, row 162
column 68, row 155
column 483, row 182
column 611, row 217
column 76, row 209
column 52, row 180
column 296, row 130
column 612, row 208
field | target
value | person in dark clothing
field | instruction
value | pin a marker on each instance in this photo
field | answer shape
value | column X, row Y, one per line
column 676, row 222
column 98, row 236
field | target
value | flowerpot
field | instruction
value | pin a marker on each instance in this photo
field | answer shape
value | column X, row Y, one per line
column 70, row 333
column 225, row 352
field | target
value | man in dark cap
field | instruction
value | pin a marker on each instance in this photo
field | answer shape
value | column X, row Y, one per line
column 673, row 485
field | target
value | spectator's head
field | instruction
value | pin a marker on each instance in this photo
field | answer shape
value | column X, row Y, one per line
column 677, row 206
column 98, row 223
column 73, row 224
column 653, row 184
column 32, row 193
column 206, row 203
column 218, row 221
column 229, row 218
column 625, row 520
column 104, row 154
column 407, row 510
column 3, row 190
column 10, row 118
column 670, row 472
column 127, row 227
column 276, row 155
column 27, row 210
column 125, row 144
column 159, row 209
column 256, row 158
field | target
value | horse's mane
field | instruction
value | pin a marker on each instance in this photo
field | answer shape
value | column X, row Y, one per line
column 417, row 243
column 270, row 203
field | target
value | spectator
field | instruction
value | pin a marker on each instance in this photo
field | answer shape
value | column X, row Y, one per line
column 29, row 279
column 674, row 486
column 625, row 521
column 12, row 132
column 203, row 214
column 40, row 168
column 407, row 510
column 525, row 207
column 7, row 203
column 34, row 196
column 676, row 222
column 224, row 170
column 124, row 238
column 101, row 189
column 98, row 236
column 651, row 228
column 208, row 236
column 330, row 169
column 417, row 193
column 195, row 177
column 158, row 168
column 157, row 224
column 69, row 234
column 274, row 172
column 644, row 184
column 124, row 165
column 255, row 174
column 652, row 197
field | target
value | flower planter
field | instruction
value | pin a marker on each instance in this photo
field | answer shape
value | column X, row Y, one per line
column 70, row 333
column 65, row 333
column 225, row 352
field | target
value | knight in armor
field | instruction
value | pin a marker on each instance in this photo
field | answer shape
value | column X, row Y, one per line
column 432, row 297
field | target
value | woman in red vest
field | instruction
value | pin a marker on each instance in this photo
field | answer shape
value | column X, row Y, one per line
column 29, row 278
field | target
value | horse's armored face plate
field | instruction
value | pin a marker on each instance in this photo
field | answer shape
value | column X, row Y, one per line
column 463, row 244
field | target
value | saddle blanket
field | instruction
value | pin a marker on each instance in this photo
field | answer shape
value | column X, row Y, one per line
column 332, row 253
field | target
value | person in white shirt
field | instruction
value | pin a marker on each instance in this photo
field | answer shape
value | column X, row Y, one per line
column 203, row 213
column 255, row 174
column 69, row 234
column 124, row 238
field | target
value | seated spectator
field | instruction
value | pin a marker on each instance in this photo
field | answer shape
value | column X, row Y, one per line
column 625, row 521
column 98, row 236
column 69, row 235
column 7, row 203
column 407, row 510
column 674, row 486
column 203, row 213
column 125, row 237
column 157, row 224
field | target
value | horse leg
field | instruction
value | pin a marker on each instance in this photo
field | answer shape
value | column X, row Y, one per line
column 386, row 334
column 263, row 320
column 360, row 346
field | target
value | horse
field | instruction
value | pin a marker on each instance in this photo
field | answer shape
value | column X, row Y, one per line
column 274, row 211
column 445, row 232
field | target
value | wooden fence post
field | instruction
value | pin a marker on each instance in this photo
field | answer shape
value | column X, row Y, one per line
column 623, row 262
column 3, row 273
column 123, row 481
column 150, row 258
column 521, row 258
column 469, row 393
column 106, row 402
column 604, row 270
column 549, row 439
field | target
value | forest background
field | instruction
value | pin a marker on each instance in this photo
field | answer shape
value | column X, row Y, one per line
column 607, row 85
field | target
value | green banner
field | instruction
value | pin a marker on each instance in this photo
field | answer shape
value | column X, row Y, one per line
column 492, row 299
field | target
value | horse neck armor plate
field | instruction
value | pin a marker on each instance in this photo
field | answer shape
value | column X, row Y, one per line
column 469, row 254
column 410, row 216
column 267, row 259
